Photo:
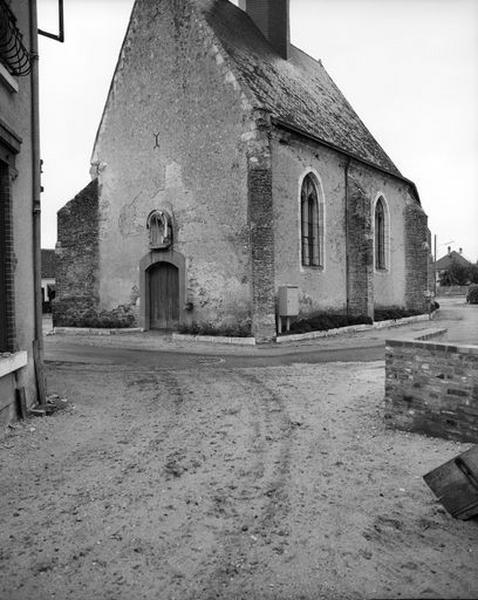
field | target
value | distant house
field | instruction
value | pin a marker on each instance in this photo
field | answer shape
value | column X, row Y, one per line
column 229, row 166
column 20, row 300
column 47, row 278
column 451, row 258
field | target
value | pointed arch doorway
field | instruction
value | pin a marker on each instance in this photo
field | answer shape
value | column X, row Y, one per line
column 162, row 289
column 163, row 296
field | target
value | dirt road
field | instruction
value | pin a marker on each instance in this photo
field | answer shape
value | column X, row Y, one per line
column 252, row 483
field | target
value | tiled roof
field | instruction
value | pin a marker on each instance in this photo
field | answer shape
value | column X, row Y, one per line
column 47, row 264
column 298, row 91
column 444, row 263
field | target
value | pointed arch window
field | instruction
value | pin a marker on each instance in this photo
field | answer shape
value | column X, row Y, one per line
column 380, row 235
column 311, row 223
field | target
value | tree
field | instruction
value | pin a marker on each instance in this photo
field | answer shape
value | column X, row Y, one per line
column 458, row 274
column 474, row 273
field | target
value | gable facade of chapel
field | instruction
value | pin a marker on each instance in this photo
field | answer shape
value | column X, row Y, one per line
column 228, row 164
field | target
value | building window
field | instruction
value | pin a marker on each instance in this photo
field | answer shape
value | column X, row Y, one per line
column 380, row 235
column 311, row 210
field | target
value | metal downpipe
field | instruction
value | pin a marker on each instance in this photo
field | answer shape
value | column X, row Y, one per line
column 36, row 190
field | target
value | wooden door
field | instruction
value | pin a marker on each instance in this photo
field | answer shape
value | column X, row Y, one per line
column 164, row 296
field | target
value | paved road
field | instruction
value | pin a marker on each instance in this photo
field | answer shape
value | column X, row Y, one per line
column 461, row 320
column 76, row 352
column 157, row 351
column 152, row 350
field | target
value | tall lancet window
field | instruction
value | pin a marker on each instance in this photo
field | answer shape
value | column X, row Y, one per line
column 311, row 224
column 380, row 233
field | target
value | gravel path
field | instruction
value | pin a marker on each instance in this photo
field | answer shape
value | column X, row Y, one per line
column 268, row 483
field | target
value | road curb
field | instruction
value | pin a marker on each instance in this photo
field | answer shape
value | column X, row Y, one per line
column 214, row 339
column 94, row 331
column 311, row 335
column 246, row 341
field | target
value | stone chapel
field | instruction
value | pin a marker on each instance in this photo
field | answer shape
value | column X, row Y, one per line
column 227, row 164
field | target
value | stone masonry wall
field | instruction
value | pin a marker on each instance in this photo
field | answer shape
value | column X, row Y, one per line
column 262, row 247
column 389, row 284
column 77, row 255
column 320, row 288
column 325, row 288
column 262, row 225
column 359, row 216
column 417, row 256
column 177, row 135
column 432, row 388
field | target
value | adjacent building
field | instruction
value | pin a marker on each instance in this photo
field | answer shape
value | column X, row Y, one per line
column 20, row 300
column 445, row 266
column 227, row 165
column 47, row 278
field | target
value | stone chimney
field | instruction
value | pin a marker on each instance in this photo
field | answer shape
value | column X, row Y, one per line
column 461, row 250
column 449, row 249
column 272, row 18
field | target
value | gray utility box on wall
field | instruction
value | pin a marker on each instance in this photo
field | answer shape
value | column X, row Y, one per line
column 288, row 301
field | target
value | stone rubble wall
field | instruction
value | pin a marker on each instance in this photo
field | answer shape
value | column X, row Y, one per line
column 416, row 256
column 77, row 255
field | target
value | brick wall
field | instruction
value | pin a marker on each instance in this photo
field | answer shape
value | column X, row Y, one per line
column 7, row 301
column 432, row 388
column 416, row 256
column 272, row 18
column 77, row 255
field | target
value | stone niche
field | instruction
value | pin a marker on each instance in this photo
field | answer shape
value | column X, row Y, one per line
column 160, row 230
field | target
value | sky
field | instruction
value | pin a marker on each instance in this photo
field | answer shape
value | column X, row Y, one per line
column 408, row 67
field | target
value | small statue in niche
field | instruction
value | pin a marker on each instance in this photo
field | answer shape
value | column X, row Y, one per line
column 160, row 230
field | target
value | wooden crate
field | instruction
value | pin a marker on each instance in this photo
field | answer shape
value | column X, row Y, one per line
column 455, row 484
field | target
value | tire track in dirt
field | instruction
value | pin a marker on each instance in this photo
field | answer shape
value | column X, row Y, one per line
column 209, row 482
column 258, row 534
column 223, row 421
column 134, row 484
column 192, row 436
column 90, row 496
